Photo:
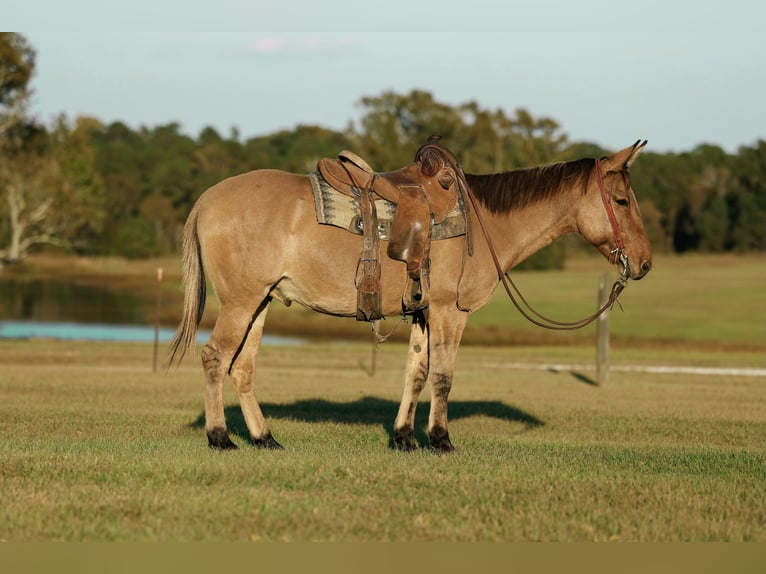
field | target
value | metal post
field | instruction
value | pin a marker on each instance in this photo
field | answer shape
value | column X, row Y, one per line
column 157, row 310
column 602, row 332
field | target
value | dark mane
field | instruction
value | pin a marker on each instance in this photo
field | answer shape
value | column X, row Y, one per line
column 503, row 192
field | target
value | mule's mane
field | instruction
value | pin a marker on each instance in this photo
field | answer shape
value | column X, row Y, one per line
column 503, row 192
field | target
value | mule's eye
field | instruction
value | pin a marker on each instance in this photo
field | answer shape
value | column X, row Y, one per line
column 622, row 202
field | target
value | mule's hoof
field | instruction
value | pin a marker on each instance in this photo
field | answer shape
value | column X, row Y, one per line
column 405, row 441
column 439, row 441
column 218, row 439
column 268, row 442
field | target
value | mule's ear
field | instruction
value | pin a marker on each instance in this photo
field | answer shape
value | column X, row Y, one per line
column 625, row 158
column 638, row 147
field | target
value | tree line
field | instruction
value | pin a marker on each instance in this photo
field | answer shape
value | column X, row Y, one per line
column 88, row 187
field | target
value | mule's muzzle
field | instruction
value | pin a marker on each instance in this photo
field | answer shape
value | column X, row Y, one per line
column 643, row 269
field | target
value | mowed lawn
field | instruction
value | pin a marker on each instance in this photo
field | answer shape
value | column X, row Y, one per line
column 97, row 447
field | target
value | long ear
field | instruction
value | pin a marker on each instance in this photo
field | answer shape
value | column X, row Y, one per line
column 625, row 158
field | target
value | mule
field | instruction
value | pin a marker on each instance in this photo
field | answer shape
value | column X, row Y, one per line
column 256, row 237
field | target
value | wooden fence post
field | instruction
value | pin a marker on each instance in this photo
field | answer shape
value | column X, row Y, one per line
column 602, row 332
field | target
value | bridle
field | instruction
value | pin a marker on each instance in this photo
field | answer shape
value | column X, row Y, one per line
column 524, row 307
column 618, row 251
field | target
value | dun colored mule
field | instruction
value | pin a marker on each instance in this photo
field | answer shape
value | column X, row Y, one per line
column 256, row 237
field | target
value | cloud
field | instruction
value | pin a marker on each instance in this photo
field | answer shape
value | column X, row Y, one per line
column 268, row 45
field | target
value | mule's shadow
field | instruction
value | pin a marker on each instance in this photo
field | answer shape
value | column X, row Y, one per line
column 369, row 411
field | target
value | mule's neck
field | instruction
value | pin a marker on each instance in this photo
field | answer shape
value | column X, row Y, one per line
column 520, row 227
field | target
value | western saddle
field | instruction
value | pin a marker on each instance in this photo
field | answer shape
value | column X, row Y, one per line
column 424, row 192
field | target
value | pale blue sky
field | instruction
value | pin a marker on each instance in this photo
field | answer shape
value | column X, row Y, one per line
column 676, row 72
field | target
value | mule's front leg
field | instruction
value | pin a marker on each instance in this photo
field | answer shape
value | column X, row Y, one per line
column 446, row 329
column 438, row 435
column 415, row 376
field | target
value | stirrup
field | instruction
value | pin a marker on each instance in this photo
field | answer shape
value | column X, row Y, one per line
column 417, row 295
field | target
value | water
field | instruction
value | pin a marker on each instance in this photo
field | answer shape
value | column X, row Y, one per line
column 50, row 301
column 52, row 310
column 68, row 331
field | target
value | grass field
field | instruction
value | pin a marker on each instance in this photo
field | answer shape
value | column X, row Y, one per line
column 709, row 300
column 96, row 447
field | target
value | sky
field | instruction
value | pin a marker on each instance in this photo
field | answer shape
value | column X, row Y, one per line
column 679, row 73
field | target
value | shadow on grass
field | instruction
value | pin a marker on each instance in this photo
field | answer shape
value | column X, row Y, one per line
column 369, row 411
column 584, row 378
column 576, row 374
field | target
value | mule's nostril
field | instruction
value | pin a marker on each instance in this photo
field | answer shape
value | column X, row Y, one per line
column 646, row 266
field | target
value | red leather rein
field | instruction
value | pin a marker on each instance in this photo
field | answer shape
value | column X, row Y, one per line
column 524, row 307
column 618, row 250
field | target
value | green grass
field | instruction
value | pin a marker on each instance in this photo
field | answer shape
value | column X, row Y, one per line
column 697, row 299
column 96, row 447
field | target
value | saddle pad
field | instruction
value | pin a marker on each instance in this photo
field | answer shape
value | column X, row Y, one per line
column 340, row 210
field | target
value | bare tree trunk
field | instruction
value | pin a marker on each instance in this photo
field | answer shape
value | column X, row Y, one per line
column 16, row 204
column 26, row 228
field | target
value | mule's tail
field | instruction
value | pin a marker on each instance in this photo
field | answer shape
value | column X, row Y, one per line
column 194, row 293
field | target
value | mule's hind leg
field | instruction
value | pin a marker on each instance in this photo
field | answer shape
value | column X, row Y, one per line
column 215, row 421
column 243, row 373
column 227, row 337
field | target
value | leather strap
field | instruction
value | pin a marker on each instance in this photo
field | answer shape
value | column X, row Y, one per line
column 369, row 295
column 608, row 206
column 510, row 287
column 369, row 305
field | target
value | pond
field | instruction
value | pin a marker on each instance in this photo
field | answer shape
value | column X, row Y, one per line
column 51, row 301
column 68, row 331
column 53, row 310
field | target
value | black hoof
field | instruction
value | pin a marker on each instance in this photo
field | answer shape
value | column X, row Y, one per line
column 218, row 439
column 439, row 441
column 267, row 442
column 405, row 440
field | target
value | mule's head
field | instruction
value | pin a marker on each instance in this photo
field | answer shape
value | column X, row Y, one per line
column 596, row 225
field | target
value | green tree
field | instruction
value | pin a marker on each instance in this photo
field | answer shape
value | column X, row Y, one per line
column 27, row 177
column 215, row 159
column 158, row 162
column 17, row 65
column 393, row 126
column 534, row 141
column 79, row 193
column 168, row 165
column 661, row 178
column 119, row 161
column 747, row 199
column 296, row 150
column 50, row 191
column 713, row 226
column 482, row 138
